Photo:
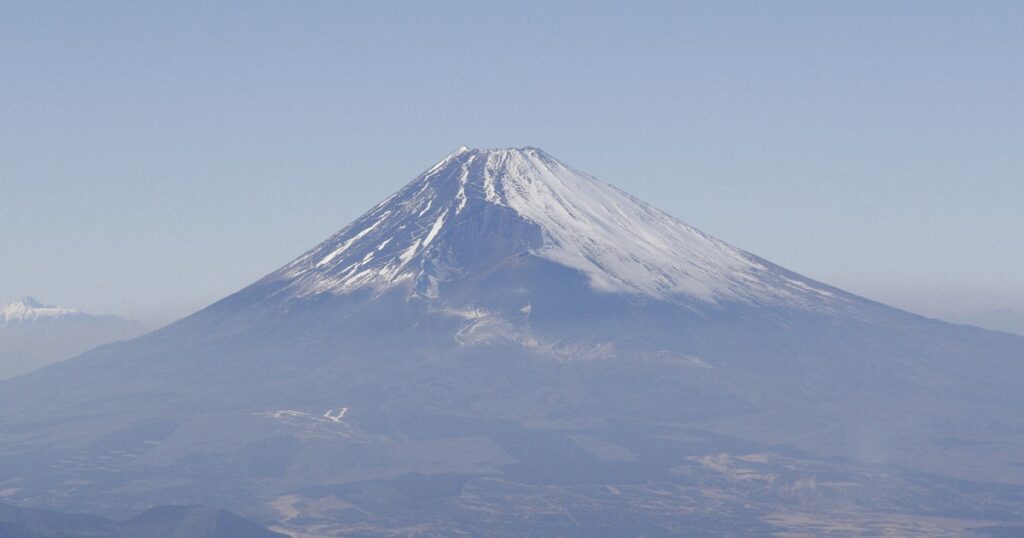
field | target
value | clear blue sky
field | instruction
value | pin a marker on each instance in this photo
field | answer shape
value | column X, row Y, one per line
column 157, row 156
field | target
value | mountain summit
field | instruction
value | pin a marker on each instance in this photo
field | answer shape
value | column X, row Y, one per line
column 478, row 207
column 507, row 346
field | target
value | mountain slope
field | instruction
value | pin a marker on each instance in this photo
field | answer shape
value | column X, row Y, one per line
column 507, row 346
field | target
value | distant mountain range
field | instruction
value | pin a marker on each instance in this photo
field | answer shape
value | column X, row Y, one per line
column 507, row 346
column 33, row 334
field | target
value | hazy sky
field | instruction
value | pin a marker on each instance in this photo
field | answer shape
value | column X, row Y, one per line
column 155, row 157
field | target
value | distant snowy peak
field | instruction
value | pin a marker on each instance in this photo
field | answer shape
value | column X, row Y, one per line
column 478, row 207
column 29, row 309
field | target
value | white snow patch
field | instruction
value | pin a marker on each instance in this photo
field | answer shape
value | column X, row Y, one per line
column 336, row 416
column 435, row 228
column 344, row 246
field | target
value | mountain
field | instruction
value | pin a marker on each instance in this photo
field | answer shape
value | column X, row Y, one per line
column 507, row 346
column 159, row 522
column 33, row 334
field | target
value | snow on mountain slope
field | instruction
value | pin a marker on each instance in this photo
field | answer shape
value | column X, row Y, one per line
column 478, row 207
column 28, row 309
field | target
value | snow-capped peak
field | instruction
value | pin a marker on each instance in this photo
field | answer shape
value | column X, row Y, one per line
column 29, row 309
column 477, row 207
